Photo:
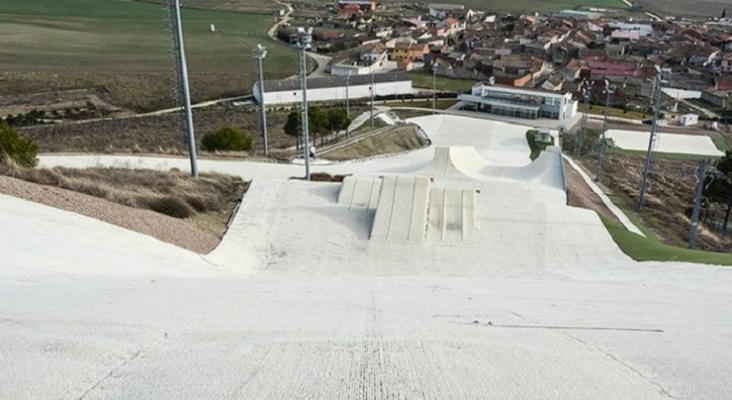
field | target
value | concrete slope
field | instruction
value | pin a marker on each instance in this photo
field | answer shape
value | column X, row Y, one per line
column 537, row 304
column 39, row 241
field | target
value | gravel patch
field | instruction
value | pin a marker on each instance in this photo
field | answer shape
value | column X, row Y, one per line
column 162, row 227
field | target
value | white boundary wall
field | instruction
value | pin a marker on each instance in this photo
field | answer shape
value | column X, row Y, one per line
column 336, row 93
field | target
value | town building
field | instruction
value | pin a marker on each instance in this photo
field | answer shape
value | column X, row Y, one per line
column 409, row 51
column 362, row 5
column 441, row 11
column 520, row 102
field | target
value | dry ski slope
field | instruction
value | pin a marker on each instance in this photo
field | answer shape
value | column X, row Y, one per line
column 345, row 291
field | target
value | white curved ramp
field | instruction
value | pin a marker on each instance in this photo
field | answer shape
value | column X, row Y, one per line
column 464, row 162
column 455, row 162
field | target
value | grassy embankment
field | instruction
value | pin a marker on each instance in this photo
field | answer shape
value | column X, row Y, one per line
column 398, row 139
column 649, row 248
column 207, row 201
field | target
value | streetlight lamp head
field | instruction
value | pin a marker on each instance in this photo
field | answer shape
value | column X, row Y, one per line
column 260, row 52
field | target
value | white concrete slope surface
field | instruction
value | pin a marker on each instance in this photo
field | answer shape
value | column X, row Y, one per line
column 300, row 301
column 692, row 145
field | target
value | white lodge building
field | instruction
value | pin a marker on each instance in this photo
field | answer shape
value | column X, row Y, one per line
column 529, row 103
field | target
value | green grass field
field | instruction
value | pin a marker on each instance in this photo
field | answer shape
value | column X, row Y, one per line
column 530, row 6
column 650, row 248
column 422, row 79
column 109, row 36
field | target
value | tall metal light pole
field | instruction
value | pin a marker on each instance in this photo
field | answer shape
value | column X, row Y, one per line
column 373, row 91
column 348, row 110
column 259, row 54
column 185, row 91
column 608, row 92
column 651, row 140
column 701, row 174
column 587, row 92
column 434, row 88
column 303, row 43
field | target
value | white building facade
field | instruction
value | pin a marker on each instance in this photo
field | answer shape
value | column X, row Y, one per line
column 520, row 102
column 333, row 88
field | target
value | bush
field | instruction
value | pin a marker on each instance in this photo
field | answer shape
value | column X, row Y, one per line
column 198, row 203
column 171, row 206
column 14, row 148
column 226, row 139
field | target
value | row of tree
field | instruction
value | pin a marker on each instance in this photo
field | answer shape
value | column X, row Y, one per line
column 320, row 123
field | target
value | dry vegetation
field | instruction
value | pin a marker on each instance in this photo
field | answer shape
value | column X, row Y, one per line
column 669, row 201
column 580, row 195
column 139, row 92
column 153, row 134
column 208, row 201
column 394, row 140
column 163, row 134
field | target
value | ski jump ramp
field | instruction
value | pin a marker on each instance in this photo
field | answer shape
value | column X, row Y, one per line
column 452, row 208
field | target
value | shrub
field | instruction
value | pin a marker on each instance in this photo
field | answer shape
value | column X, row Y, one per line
column 227, row 139
column 171, row 206
column 198, row 203
column 17, row 149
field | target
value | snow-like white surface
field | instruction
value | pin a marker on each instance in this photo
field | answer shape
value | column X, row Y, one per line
column 682, row 93
column 298, row 302
column 694, row 145
column 624, row 220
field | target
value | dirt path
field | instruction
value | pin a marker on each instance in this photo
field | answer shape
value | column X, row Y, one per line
column 273, row 30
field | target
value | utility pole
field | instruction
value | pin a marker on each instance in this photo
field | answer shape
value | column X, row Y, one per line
column 434, row 88
column 651, row 141
column 373, row 91
column 259, row 54
column 348, row 110
column 587, row 92
column 185, row 91
column 603, row 144
column 303, row 43
column 701, row 174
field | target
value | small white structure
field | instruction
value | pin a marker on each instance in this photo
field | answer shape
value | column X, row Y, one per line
column 213, row 28
column 688, row 119
column 333, row 88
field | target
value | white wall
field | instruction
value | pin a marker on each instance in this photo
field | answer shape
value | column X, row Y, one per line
column 344, row 69
column 339, row 93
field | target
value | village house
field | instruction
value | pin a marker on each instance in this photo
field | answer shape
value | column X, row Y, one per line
column 409, row 51
column 441, row 11
column 362, row 5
